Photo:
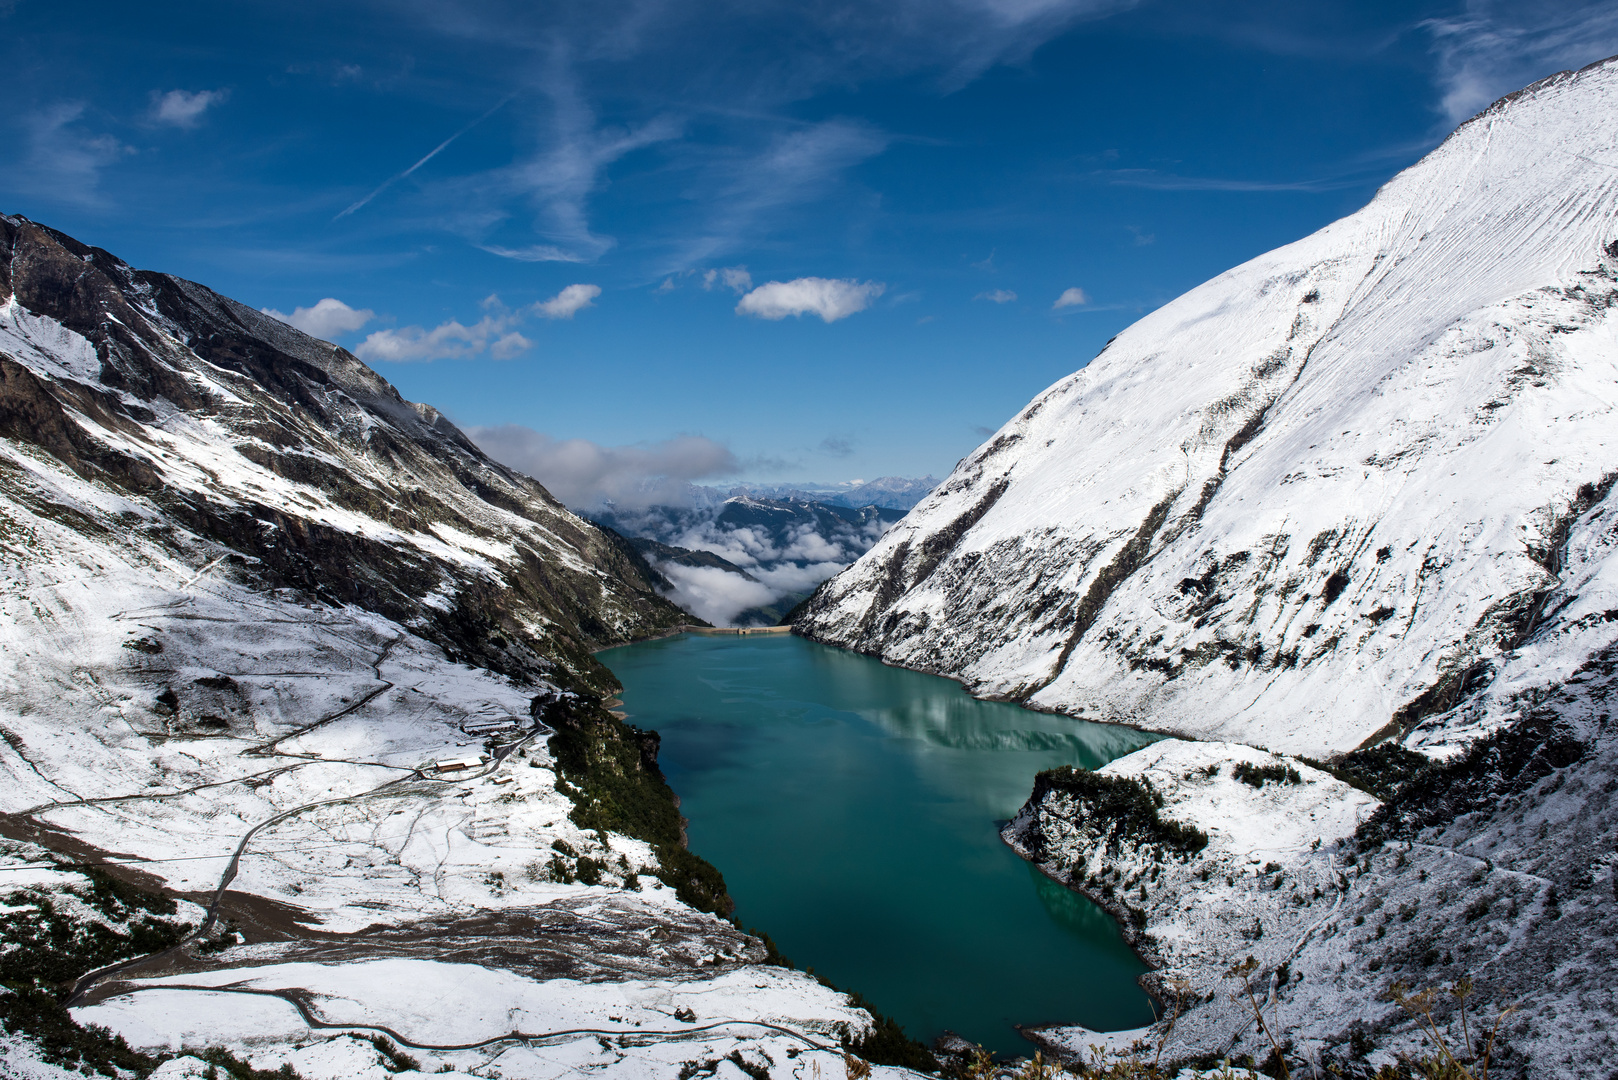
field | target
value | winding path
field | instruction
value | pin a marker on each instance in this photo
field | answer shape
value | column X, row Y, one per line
column 296, row 1000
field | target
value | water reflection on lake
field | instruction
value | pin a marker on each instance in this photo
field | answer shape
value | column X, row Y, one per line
column 854, row 811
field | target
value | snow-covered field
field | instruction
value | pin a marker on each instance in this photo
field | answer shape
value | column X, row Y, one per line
column 329, row 717
column 326, row 721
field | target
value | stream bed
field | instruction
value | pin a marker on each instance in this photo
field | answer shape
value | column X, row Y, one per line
column 854, row 810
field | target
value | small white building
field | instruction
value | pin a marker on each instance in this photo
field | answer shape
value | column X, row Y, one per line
column 456, row 764
column 489, row 727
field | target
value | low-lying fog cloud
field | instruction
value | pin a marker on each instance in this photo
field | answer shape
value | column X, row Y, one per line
column 585, row 475
column 648, row 491
column 785, row 566
column 720, row 597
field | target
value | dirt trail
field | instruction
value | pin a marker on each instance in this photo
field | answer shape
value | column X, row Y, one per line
column 297, row 999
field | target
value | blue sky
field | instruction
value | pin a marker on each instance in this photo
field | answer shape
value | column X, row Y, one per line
column 560, row 222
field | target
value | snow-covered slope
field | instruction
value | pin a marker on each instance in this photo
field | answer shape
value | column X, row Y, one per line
column 248, row 597
column 217, row 420
column 1303, row 505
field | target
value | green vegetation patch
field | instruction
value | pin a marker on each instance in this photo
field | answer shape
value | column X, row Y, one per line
column 1129, row 805
column 1259, row 775
column 887, row 1043
column 45, row 948
column 1380, row 771
column 1506, row 763
column 609, row 769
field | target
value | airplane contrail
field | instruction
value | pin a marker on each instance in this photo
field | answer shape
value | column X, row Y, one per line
column 434, row 152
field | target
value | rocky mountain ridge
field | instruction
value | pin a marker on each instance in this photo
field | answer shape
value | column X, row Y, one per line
column 1344, row 515
column 1304, row 504
column 308, row 466
column 288, row 662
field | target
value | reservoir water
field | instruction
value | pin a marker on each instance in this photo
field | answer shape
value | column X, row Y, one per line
column 854, row 810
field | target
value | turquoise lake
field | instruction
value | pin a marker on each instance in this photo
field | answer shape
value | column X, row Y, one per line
column 854, row 810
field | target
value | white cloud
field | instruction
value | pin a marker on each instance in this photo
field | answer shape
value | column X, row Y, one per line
column 495, row 333
column 446, row 341
column 510, row 345
column 63, row 163
column 584, row 475
column 998, row 296
column 720, row 596
column 183, row 109
column 830, row 298
column 735, row 278
column 326, row 320
column 532, row 253
column 714, row 595
column 1495, row 47
column 569, row 302
column 1074, row 297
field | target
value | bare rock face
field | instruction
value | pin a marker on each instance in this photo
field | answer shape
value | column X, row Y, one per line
column 312, row 470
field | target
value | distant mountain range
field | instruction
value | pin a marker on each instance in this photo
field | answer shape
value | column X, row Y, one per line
column 745, row 560
column 889, row 492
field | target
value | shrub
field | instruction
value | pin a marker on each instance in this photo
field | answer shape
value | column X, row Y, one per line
column 43, row 951
column 1258, row 775
column 887, row 1043
column 1380, row 771
column 1128, row 804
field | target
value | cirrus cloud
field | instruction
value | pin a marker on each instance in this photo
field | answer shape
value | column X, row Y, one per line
column 327, row 319
column 1492, row 47
column 998, row 296
column 830, row 298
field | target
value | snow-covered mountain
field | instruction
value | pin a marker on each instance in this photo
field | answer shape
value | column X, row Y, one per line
column 1302, row 505
column 222, row 425
column 295, row 660
column 1357, row 492
column 748, row 560
column 888, row 492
